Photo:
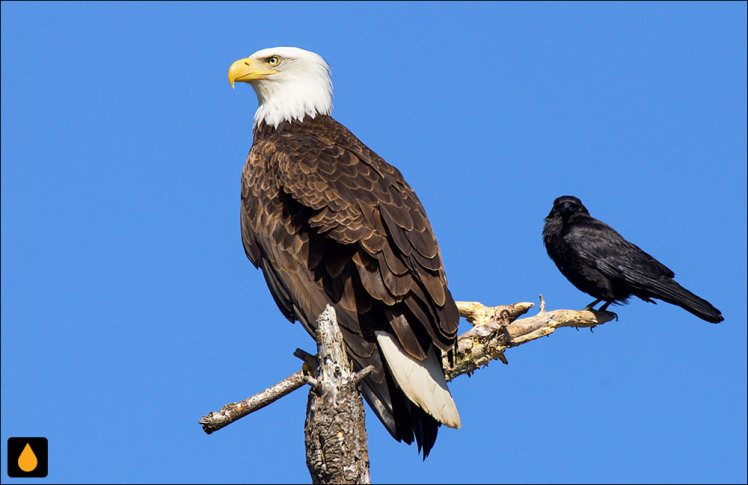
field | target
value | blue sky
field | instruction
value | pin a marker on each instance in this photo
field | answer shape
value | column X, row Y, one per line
column 129, row 309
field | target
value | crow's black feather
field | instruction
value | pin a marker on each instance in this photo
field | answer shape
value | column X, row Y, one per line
column 600, row 262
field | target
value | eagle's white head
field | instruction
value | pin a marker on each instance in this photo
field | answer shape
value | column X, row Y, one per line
column 290, row 83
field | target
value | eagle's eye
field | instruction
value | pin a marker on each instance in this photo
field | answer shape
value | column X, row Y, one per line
column 273, row 61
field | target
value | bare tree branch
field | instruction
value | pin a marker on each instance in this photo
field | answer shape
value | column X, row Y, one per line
column 496, row 329
column 236, row 410
column 335, row 428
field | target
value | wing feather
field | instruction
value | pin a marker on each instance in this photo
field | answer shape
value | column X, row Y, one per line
column 328, row 221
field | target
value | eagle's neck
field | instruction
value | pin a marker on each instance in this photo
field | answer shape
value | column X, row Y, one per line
column 316, row 124
column 292, row 99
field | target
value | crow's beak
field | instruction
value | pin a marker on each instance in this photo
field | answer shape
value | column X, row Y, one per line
column 566, row 209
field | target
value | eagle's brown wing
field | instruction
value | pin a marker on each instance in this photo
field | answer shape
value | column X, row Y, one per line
column 328, row 221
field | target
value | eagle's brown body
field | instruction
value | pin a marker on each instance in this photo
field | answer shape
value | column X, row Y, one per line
column 329, row 221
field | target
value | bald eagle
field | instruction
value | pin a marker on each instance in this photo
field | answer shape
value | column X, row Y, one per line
column 328, row 221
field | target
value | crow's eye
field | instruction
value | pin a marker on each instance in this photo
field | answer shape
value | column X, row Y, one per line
column 273, row 61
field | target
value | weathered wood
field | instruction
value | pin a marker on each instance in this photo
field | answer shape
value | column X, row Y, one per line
column 496, row 330
column 335, row 428
column 237, row 410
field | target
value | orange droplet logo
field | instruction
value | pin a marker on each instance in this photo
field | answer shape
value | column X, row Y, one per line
column 27, row 461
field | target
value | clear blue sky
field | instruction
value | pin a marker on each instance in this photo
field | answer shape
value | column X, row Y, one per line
column 129, row 309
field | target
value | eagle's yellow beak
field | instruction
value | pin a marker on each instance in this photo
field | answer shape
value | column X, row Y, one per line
column 245, row 70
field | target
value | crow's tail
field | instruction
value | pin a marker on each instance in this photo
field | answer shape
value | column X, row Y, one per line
column 670, row 291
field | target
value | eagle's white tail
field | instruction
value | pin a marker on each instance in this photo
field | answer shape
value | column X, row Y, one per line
column 422, row 382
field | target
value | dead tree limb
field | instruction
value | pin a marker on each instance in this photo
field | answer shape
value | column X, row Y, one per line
column 236, row 410
column 335, row 428
column 496, row 329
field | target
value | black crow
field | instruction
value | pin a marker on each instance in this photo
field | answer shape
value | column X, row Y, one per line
column 600, row 262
